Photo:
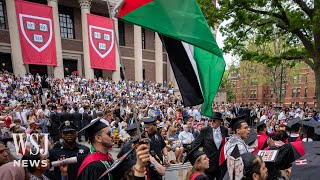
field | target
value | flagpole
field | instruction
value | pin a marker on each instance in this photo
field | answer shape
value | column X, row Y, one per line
column 122, row 65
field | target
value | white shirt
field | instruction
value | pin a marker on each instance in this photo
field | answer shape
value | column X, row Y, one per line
column 217, row 137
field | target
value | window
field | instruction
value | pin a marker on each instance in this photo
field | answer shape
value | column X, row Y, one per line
column 143, row 38
column 298, row 92
column 307, row 77
column 143, row 74
column 305, row 92
column 66, row 22
column 293, row 92
column 299, row 78
column 253, row 94
column 2, row 19
column 121, row 33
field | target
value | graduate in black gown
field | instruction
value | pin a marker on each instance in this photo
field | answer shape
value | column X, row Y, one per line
column 99, row 160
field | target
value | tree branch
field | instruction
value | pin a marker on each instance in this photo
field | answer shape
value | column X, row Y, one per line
column 305, row 8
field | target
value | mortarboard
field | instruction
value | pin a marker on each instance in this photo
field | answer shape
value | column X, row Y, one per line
column 310, row 122
column 236, row 121
column 150, row 120
column 95, row 126
column 252, row 137
column 311, row 147
column 293, row 122
column 193, row 155
column 306, row 167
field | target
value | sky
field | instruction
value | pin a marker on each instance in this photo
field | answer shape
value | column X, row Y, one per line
column 227, row 57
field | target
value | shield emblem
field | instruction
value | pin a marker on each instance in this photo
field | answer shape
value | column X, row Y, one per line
column 101, row 40
column 36, row 30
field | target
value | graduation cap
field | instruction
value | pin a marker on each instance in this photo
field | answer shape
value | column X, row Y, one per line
column 307, row 167
column 236, row 121
column 95, row 126
column 310, row 123
column 193, row 155
column 293, row 122
column 311, row 147
column 252, row 137
column 121, row 165
column 287, row 154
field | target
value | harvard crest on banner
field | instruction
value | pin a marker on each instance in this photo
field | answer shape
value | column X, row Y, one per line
column 36, row 32
column 101, row 42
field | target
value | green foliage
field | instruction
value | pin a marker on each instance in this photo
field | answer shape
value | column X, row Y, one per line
column 297, row 21
column 226, row 84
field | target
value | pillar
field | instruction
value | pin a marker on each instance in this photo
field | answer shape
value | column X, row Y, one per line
column 85, row 6
column 116, row 74
column 16, row 55
column 57, row 70
column 158, row 59
column 138, row 67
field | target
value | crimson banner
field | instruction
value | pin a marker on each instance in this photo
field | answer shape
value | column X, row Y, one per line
column 101, row 42
column 35, row 22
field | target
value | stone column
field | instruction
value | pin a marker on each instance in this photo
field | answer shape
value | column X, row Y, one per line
column 57, row 70
column 116, row 74
column 158, row 59
column 16, row 54
column 138, row 67
column 85, row 6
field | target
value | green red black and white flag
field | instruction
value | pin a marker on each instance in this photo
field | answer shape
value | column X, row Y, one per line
column 195, row 57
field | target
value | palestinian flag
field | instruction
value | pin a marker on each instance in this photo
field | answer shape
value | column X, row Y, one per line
column 195, row 57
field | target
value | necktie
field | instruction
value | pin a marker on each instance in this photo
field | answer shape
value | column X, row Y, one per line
column 217, row 137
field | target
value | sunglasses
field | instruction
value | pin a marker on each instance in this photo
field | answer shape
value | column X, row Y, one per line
column 68, row 132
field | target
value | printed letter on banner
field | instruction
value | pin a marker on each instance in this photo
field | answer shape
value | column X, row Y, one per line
column 101, row 42
column 35, row 23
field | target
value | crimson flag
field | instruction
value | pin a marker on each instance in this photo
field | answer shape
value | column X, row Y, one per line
column 101, row 42
column 35, row 24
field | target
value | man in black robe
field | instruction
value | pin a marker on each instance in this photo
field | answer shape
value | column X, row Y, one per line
column 99, row 158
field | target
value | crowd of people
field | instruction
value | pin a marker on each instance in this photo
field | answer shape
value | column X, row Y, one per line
column 74, row 111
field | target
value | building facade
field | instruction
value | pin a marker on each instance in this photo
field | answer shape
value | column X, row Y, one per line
column 298, row 89
column 141, row 50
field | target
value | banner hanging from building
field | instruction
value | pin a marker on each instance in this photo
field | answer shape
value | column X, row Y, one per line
column 35, row 23
column 101, row 42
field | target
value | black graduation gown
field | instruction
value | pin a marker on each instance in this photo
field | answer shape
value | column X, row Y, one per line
column 93, row 171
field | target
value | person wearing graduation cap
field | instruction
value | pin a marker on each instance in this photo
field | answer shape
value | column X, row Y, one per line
column 99, row 160
column 263, row 139
column 132, row 131
column 200, row 163
column 68, row 148
column 157, row 145
column 294, row 127
column 212, row 139
column 241, row 132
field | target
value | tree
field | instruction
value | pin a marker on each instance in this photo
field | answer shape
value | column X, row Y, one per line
column 298, row 21
column 226, row 84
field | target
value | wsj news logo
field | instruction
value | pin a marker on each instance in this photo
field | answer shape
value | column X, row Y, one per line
column 20, row 144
